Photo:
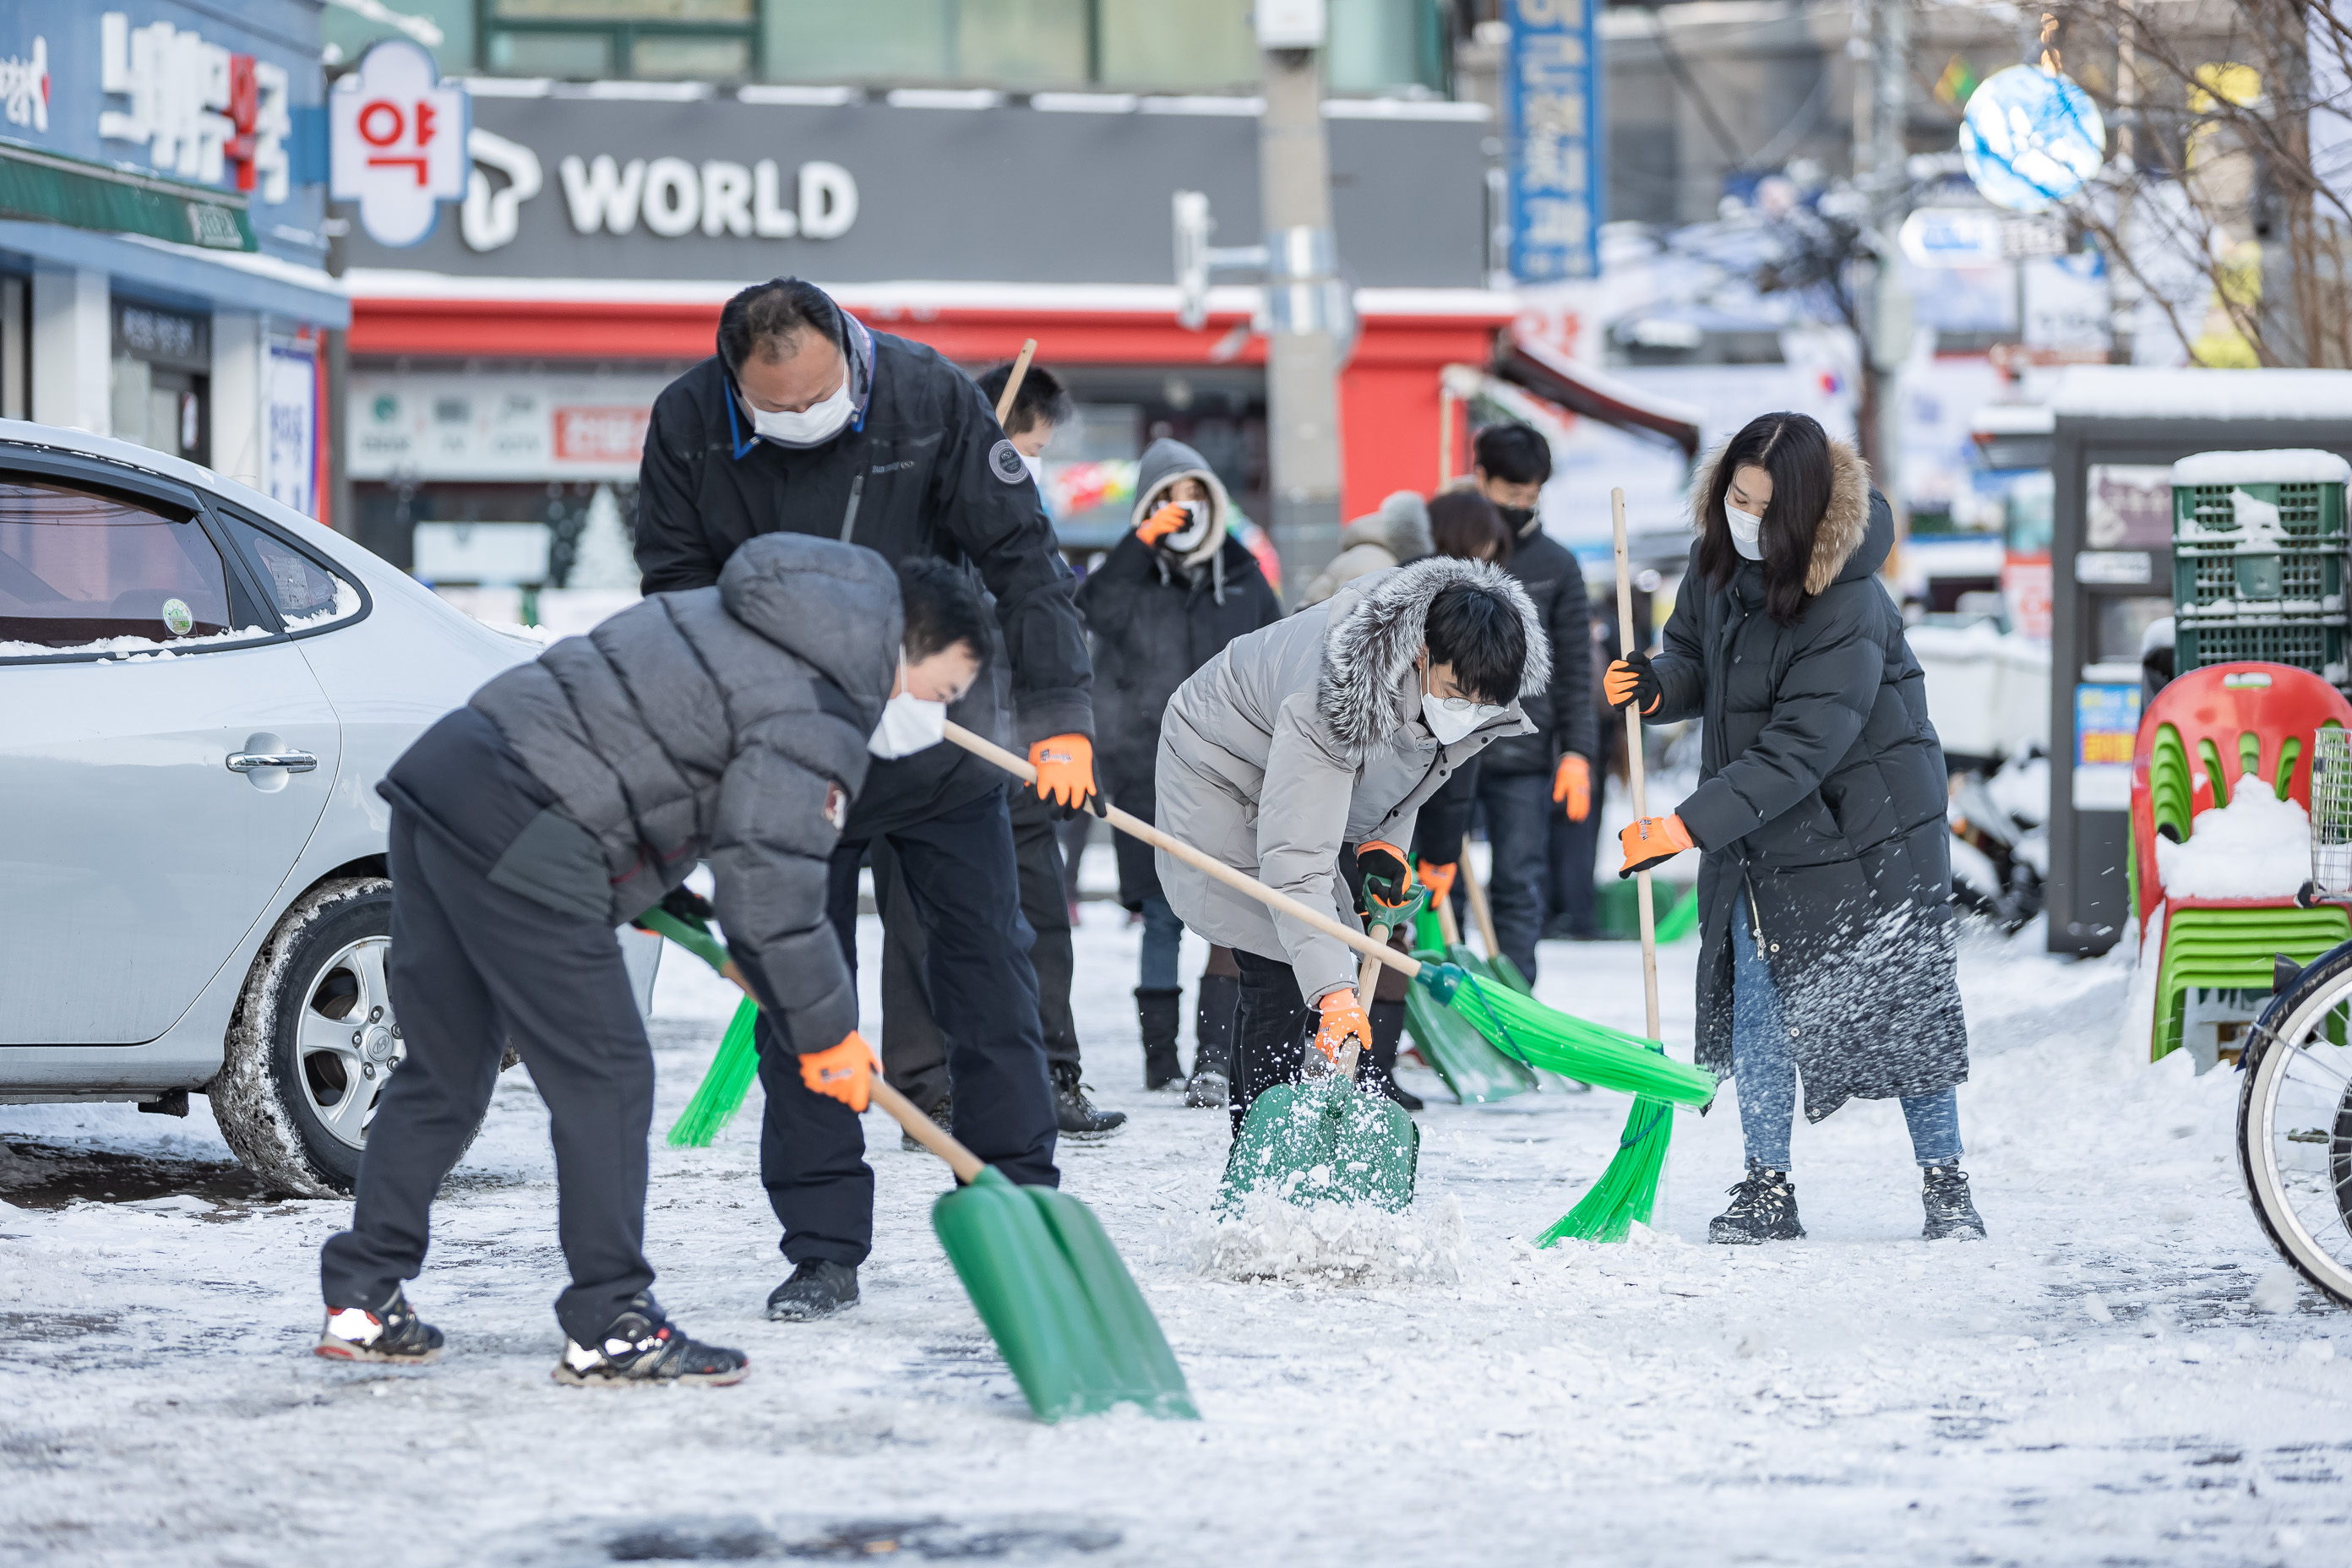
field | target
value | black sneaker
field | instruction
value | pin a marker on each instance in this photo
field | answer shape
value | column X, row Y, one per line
column 1207, row 1090
column 943, row 1113
column 1075, row 1113
column 1763, row 1208
column 818, row 1288
column 1951, row 1217
column 642, row 1346
column 391, row 1332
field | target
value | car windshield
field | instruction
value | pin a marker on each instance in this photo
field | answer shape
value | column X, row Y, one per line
column 78, row 567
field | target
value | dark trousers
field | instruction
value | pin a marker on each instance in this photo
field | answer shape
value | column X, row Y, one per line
column 914, row 1052
column 960, row 878
column 472, row 967
column 1573, row 846
column 1518, row 809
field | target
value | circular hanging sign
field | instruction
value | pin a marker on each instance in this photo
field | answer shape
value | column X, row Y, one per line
column 2030, row 138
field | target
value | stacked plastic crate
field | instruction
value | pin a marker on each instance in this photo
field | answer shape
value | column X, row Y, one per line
column 2258, row 544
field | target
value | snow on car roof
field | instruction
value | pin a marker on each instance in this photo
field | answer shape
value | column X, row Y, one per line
column 2135, row 391
column 2281, row 466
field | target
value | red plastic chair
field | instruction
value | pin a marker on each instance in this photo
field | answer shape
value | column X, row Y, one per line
column 2234, row 719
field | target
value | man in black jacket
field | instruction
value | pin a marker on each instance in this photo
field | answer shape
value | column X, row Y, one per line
column 1524, row 779
column 805, row 422
column 732, row 725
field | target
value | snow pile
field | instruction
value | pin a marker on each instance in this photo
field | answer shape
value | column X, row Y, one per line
column 2258, row 846
column 2139, row 392
column 2286, row 466
column 347, row 603
column 1333, row 1244
column 131, row 649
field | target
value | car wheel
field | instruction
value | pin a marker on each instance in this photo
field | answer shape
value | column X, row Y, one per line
column 313, row 1041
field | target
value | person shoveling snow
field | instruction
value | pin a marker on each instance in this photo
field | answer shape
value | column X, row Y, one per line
column 1300, row 755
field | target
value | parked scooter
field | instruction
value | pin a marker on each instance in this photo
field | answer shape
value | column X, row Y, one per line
column 2000, row 840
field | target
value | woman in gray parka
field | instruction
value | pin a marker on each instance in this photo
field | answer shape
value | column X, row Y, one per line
column 1825, row 887
column 1300, row 756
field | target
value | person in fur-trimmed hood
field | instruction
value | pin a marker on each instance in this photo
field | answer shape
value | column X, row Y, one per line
column 1301, row 755
column 1825, row 880
column 1171, row 595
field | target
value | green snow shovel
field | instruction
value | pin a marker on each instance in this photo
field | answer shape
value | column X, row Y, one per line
column 1476, row 1072
column 1324, row 1139
column 1042, row 1274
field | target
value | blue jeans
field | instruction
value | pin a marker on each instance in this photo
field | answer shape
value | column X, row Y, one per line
column 1766, row 1075
column 1520, row 810
column 1163, row 940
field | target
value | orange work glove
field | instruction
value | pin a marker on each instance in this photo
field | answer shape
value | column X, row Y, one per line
column 1342, row 1015
column 1066, row 774
column 1631, row 680
column 1652, row 841
column 1163, row 523
column 844, row 1072
column 1573, row 784
column 1387, row 878
column 1437, row 879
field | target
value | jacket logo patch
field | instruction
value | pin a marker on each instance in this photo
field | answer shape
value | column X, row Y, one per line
column 1006, row 464
column 894, row 468
column 836, row 806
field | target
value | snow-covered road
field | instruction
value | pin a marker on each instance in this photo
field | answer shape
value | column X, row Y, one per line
column 2122, row 1374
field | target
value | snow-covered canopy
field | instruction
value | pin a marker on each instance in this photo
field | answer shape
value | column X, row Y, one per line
column 2279, row 465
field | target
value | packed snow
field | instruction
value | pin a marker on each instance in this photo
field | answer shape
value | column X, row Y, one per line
column 132, row 649
column 2141, row 392
column 2123, row 1374
column 2284, row 466
column 346, row 605
column 2257, row 847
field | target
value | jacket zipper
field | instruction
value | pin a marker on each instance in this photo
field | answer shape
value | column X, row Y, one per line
column 849, row 517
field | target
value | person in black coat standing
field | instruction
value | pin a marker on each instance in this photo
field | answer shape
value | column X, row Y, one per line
column 1825, row 884
column 1524, row 780
column 805, row 421
column 1167, row 599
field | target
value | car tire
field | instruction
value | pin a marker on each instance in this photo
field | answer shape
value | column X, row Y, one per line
column 312, row 1042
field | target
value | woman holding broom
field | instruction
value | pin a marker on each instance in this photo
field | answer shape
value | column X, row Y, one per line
column 1825, row 882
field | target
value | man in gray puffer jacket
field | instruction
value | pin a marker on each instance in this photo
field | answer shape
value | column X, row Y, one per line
column 1301, row 755
column 733, row 723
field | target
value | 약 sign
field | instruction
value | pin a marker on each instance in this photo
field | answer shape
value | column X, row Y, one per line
column 397, row 140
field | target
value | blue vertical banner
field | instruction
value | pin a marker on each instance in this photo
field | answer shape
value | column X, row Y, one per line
column 1552, row 132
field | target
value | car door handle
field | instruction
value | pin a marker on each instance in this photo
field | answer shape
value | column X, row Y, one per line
column 292, row 761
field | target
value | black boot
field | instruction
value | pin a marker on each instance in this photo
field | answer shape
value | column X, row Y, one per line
column 1379, row 1070
column 1212, row 1042
column 818, row 1288
column 1763, row 1208
column 1075, row 1113
column 943, row 1113
column 1156, row 1011
column 645, row 1347
column 391, row 1331
column 1951, row 1214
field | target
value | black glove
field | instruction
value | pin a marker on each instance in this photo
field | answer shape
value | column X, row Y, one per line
column 688, row 906
column 1631, row 680
column 1386, row 879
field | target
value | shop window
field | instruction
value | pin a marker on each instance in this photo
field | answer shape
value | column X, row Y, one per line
column 1015, row 43
column 79, row 567
column 160, row 388
column 1150, row 44
column 695, row 39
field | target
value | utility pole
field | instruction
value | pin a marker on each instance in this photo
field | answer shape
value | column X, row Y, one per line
column 2123, row 287
column 1884, row 181
column 1306, row 304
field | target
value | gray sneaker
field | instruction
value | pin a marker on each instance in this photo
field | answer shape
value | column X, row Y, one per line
column 1951, row 1217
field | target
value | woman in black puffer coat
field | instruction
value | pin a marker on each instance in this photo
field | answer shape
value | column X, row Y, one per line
column 1825, row 886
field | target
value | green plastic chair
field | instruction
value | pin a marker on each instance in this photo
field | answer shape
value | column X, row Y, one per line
column 2232, row 950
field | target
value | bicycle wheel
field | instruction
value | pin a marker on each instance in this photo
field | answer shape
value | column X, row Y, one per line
column 2294, row 1124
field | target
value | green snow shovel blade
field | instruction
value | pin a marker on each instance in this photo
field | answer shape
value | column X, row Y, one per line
column 1044, row 1279
column 1501, row 967
column 1627, row 1189
column 1324, row 1142
column 724, row 1085
column 1546, row 1038
column 1475, row 1070
column 1061, row 1306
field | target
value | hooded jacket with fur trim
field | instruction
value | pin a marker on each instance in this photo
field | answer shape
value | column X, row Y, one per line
column 1308, row 736
column 1820, row 811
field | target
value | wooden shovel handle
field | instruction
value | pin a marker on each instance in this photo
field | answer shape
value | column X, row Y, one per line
column 1643, row 896
column 920, row 1127
column 1012, row 382
column 1208, row 866
column 1475, row 892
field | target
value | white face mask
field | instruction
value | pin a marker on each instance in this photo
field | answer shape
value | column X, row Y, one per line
column 1451, row 719
column 909, row 724
column 819, row 422
column 1747, row 531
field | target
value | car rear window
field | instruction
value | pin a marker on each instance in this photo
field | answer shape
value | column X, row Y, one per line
column 306, row 593
column 82, row 570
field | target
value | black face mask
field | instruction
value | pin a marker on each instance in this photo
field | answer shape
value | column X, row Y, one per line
column 1517, row 518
